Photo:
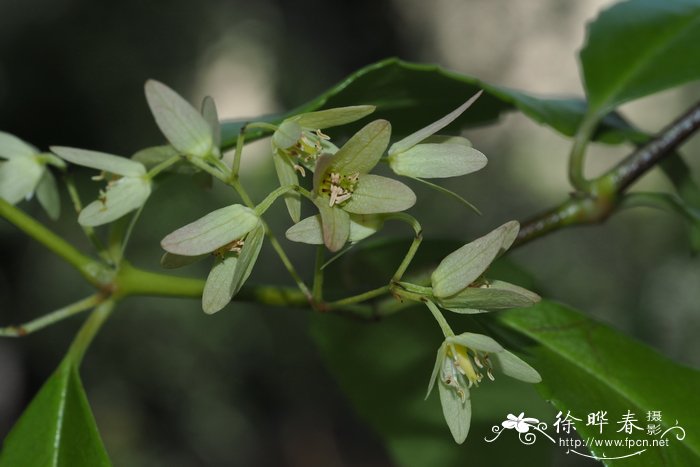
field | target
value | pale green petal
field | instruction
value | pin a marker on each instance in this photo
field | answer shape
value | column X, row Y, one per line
column 441, row 354
column 181, row 124
column 336, row 224
column 286, row 135
column 211, row 116
column 100, row 161
column 12, row 147
column 437, row 161
column 463, row 266
column 249, row 254
column 362, row 152
column 498, row 295
column 457, row 414
column 447, row 139
column 375, row 194
column 415, row 138
column 323, row 163
column 514, row 367
column 121, row 197
column 310, row 230
column 173, row 261
column 288, row 176
column 18, row 178
column 218, row 289
column 476, row 342
column 154, row 155
column 48, row 196
column 333, row 117
column 212, row 231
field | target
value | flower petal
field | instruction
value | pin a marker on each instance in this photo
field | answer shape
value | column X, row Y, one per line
column 173, row 261
column 498, row 295
column 437, row 161
column 218, row 289
column 415, row 138
column 212, row 231
column 441, row 354
column 375, row 194
column 310, row 230
column 335, row 223
column 513, row 366
column 457, row 413
column 362, row 152
column 12, row 147
column 288, row 176
column 463, row 266
column 154, row 155
column 100, row 161
column 287, row 134
column 509, row 424
column 333, row 117
column 249, row 254
column 48, row 196
column 447, row 139
column 18, row 178
column 181, row 124
column 121, row 197
column 211, row 116
column 476, row 342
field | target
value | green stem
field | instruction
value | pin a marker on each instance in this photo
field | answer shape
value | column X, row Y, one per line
column 265, row 204
column 134, row 281
column 317, row 289
column 162, row 166
column 374, row 293
column 48, row 319
column 417, row 239
column 87, row 230
column 88, row 331
column 578, row 152
column 442, row 322
column 90, row 269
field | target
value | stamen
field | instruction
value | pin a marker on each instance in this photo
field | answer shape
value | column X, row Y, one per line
column 490, row 375
column 300, row 169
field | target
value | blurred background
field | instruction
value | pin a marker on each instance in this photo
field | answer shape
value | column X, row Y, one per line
column 172, row 387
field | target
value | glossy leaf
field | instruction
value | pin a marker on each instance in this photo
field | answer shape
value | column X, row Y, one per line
column 57, row 429
column 498, row 295
column 333, row 117
column 18, row 178
column 587, row 366
column 463, row 266
column 100, row 161
column 181, row 124
column 48, row 196
column 12, row 147
column 410, row 95
column 121, row 197
column 287, row 175
column 655, row 48
column 414, row 138
column 375, row 194
column 362, row 152
column 437, row 161
column 218, row 289
column 212, row 231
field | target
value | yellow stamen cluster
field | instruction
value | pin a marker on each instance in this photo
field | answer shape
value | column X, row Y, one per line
column 307, row 149
column 463, row 362
column 339, row 187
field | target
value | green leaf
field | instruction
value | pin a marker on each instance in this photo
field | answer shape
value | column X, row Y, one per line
column 463, row 266
column 211, row 116
column 248, row 257
column 12, row 147
column 411, row 95
column 48, row 196
column 335, row 223
column 287, row 175
column 212, row 231
column 219, row 288
column 181, row 124
column 437, row 161
column 57, row 429
column 18, row 178
column 120, row 198
column 498, row 295
column 100, row 161
column 362, row 152
column 333, row 117
column 587, row 366
column 375, row 194
column 636, row 48
column 287, row 134
column 411, row 140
